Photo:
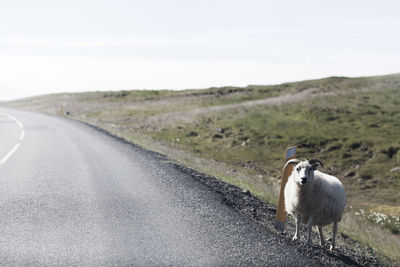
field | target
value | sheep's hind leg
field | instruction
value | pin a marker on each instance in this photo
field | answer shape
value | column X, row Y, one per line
column 297, row 233
column 334, row 236
column 309, row 230
column 321, row 236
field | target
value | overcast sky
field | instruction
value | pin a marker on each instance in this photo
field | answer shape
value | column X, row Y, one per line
column 49, row 46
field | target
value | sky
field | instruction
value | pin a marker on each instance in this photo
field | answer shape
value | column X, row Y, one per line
column 52, row 46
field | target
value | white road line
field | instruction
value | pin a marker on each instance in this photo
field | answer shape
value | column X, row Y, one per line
column 6, row 157
column 19, row 124
column 21, row 137
column 11, row 117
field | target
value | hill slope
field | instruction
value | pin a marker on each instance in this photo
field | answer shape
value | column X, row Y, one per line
column 239, row 134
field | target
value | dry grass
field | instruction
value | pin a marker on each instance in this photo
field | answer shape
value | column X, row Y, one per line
column 371, row 235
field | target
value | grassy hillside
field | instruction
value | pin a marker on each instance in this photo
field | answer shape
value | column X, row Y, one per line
column 239, row 134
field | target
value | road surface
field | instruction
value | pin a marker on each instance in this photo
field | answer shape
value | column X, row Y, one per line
column 72, row 195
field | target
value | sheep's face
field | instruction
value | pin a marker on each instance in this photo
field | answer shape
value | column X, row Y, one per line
column 304, row 172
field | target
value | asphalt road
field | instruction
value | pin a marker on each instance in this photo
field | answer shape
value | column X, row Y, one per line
column 72, row 195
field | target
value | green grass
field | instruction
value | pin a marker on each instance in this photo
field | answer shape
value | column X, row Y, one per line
column 358, row 132
column 352, row 126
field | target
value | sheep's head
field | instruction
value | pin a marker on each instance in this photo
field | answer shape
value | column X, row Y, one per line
column 303, row 171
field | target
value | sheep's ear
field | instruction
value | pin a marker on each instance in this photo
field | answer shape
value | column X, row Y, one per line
column 315, row 163
column 293, row 162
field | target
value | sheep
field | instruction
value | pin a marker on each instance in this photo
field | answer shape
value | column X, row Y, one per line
column 314, row 198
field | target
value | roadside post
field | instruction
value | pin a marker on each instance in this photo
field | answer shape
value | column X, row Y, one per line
column 281, row 214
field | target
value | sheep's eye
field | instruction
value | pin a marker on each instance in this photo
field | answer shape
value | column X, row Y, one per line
column 298, row 169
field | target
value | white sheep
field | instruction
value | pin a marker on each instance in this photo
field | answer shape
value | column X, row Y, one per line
column 314, row 198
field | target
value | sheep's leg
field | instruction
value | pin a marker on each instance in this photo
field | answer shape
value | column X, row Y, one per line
column 309, row 228
column 297, row 233
column 334, row 235
column 321, row 236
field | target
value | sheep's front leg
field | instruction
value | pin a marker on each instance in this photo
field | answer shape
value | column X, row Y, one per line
column 309, row 228
column 321, row 236
column 297, row 233
column 334, row 236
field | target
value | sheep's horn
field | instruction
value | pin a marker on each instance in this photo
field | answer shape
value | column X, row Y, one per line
column 316, row 161
column 292, row 162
